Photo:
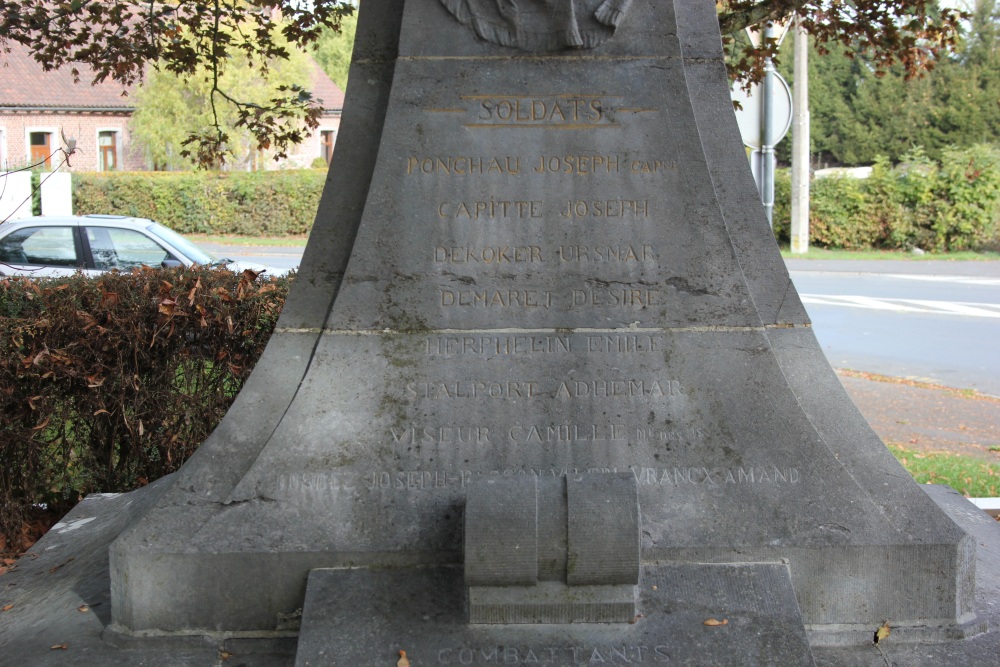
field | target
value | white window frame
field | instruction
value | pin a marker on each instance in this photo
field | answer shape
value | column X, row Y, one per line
column 119, row 141
column 55, row 143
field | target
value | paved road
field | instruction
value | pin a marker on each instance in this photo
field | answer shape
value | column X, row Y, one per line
column 932, row 321
column 935, row 321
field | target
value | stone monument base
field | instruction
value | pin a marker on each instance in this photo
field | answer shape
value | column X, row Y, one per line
column 688, row 614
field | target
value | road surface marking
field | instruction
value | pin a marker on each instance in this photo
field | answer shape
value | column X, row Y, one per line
column 905, row 305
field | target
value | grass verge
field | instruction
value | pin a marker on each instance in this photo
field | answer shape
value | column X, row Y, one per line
column 832, row 253
column 971, row 477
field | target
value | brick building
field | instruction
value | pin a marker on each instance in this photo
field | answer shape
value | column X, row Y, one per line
column 41, row 111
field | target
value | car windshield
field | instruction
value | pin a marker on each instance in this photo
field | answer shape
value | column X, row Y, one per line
column 193, row 252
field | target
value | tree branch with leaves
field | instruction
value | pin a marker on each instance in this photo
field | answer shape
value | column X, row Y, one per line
column 119, row 40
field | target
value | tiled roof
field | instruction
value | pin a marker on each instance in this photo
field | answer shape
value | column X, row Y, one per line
column 323, row 88
column 23, row 83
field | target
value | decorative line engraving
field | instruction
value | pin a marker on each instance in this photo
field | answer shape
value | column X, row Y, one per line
column 579, row 126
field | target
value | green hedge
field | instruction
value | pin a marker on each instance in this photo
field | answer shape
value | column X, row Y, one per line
column 108, row 383
column 268, row 203
column 953, row 204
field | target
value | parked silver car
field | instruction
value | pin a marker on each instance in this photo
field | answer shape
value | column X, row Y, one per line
column 52, row 246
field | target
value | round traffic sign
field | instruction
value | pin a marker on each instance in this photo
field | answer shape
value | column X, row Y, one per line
column 749, row 117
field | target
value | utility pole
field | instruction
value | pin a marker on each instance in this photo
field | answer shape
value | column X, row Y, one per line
column 800, row 143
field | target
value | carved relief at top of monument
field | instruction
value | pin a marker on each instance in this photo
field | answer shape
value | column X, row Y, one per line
column 541, row 25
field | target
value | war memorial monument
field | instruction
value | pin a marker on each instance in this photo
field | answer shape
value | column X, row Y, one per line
column 542, row 394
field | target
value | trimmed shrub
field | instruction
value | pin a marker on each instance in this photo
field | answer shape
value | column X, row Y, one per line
column 271, row 203
column 951, row 205
column 108, row 383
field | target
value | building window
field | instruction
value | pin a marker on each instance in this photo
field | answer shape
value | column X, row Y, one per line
column 41, row 148
column 326, row 145
column 107, row 151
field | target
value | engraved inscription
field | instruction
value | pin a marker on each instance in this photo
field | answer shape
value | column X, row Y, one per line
column 622, row 297
column 566, row 389
column 475, row 210
column 621, row 654
column 495, row 298
column 679, row 476
column 570, row 165
column 606, row 208
column 463, row 165
column 497, row 345
column 546, row 111
column 499, row 254
column 609, row 253
column 489, row 346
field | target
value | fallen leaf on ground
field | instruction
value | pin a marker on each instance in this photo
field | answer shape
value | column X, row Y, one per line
column 713, row 622
column 882, row 632
column 403, row 660
column 60, row 647
column 7, row 607
column 225, row 655
column 83, row 608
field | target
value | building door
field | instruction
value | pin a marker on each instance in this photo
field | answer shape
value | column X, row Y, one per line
column 41, row 148
column 326, row 145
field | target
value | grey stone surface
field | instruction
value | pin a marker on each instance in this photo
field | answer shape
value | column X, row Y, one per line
column 365, row 617
column 539, row 264
column 69, row 568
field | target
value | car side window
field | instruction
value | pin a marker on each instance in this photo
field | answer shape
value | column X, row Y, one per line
column 114, row 248
column 40, row 246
